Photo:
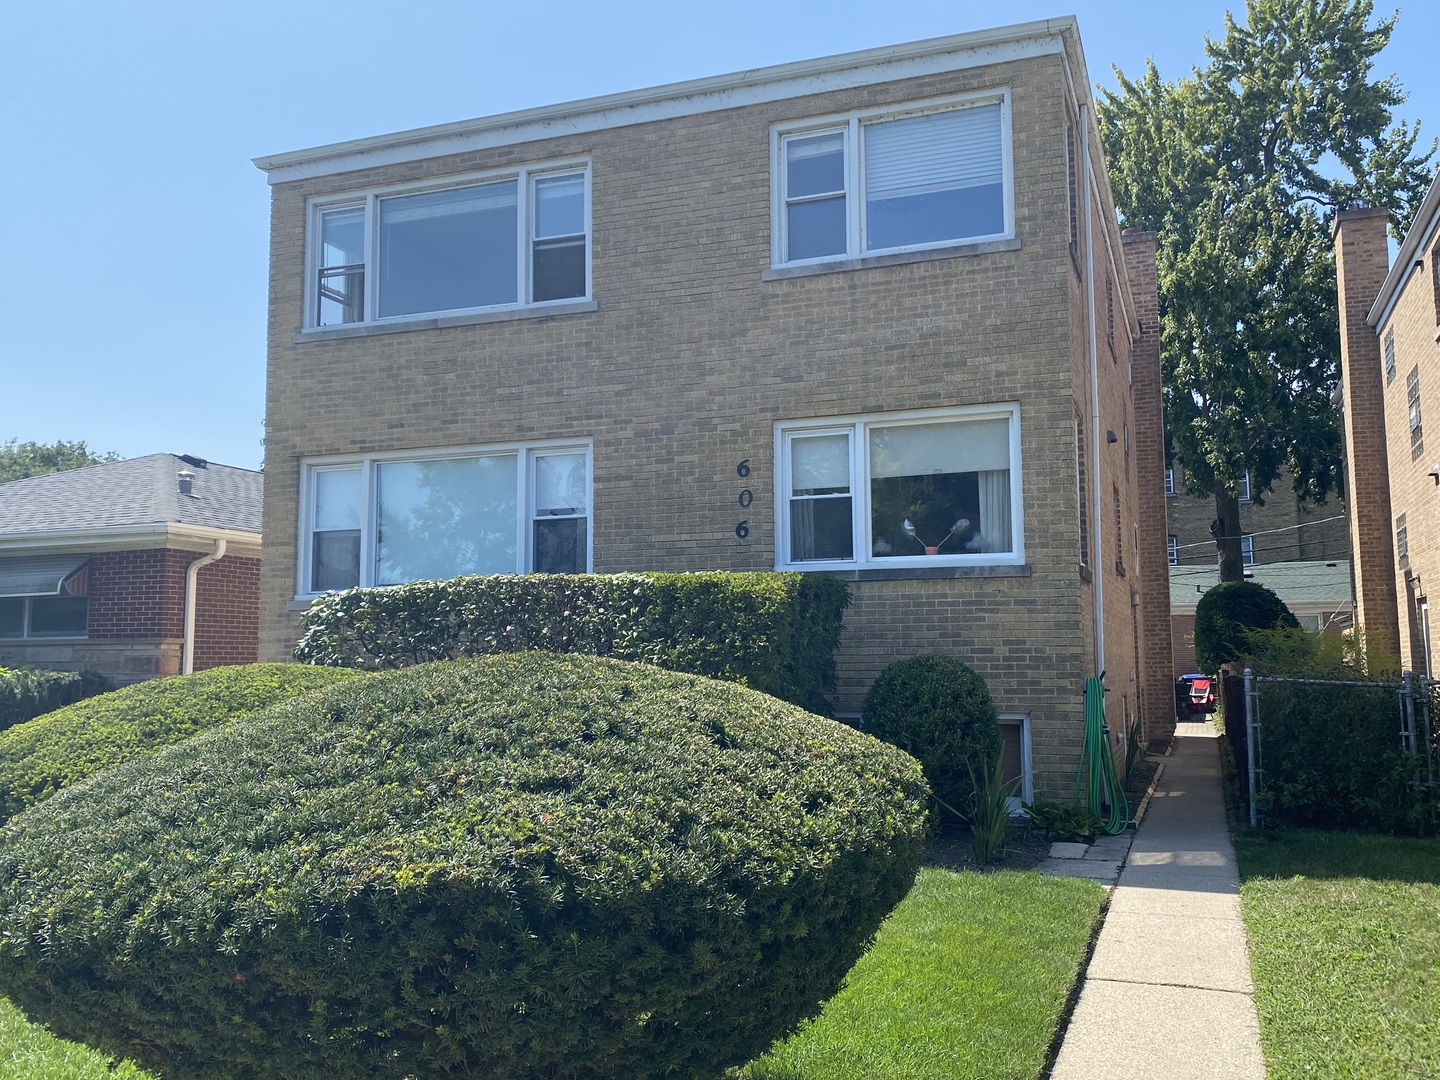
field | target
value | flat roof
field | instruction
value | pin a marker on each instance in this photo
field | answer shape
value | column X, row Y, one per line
column 885, row 64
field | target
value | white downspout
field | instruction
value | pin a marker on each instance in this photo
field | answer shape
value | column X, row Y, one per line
column 1095, row 518
column 192, row 573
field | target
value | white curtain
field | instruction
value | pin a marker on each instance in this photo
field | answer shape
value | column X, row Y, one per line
column 995, row 510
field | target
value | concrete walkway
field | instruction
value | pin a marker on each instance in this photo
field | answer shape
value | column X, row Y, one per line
column 1168, row 991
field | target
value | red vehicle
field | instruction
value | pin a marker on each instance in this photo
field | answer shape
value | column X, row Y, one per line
column 1195, row 694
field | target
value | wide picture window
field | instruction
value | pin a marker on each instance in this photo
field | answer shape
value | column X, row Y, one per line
column 510, row 241
column 886, row 182
column 916, row 490
column 386, row 521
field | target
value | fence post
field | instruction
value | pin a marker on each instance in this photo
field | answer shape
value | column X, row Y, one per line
column 1252, row 743
column 1407, row 712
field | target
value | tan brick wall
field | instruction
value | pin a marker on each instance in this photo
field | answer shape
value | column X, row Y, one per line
column 692, row 358
column 1362, row 261
column 1413, row 491
column 1283, row 528
column 1156, row 696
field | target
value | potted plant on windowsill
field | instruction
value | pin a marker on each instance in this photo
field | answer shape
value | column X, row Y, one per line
column 973, row 540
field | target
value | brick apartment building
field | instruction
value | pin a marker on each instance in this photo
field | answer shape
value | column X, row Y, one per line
column 868, row 315
column 1390, row 351
column 131, row 567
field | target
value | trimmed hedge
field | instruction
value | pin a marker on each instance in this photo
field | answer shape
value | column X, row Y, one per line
column 940, row 710
column 26, row 693
column 534, row 866
column 42, row 756
column 1225, row 616
column 773, row 632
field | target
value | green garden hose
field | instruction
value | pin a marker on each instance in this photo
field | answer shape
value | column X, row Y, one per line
column 1104, row 787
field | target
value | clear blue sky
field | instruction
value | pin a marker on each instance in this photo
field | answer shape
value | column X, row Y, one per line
column 135, row 239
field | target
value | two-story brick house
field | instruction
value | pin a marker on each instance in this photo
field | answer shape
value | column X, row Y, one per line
column 868, row 315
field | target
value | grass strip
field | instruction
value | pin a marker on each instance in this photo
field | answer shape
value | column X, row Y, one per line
column 29, row 1052
column 1345, row 950
column 968, row 978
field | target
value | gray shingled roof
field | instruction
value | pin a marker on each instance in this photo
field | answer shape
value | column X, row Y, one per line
column 140, row 491
column 1294, row 582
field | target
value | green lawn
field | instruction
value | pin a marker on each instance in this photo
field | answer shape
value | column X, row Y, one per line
column 29, row 1052
column 968, row 978
column 1345, row 947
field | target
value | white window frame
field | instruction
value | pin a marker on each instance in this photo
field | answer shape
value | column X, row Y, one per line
column 526, row 454
column 1026, row 794
column 1169, row 481
column 851, row 125
column 1172, row 542
column 1243, row 486
column 369, row 200
column 1247, row 550
column 856, row 427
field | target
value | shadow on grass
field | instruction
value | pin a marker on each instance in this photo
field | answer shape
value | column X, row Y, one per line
column 1284, row 853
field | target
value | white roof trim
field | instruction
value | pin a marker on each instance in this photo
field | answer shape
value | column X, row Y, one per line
column 161, row 534
column 869, row 66
column 1417, row 239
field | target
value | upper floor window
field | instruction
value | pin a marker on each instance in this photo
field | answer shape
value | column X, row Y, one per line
column 1389, row 357
column 1169, row 481
column 1417, row 428
column 883, row 181
column 499, row 241
column 1172, row 542
column 390, row 519
column 1242, row 486
column 1247, row 550
column 914, row 489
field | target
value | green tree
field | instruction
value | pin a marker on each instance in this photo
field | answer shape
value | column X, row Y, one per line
column 1238, row 168
column 19, row 460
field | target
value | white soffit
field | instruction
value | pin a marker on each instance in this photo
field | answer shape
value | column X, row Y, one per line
column 888, row 64
column 1414, row 246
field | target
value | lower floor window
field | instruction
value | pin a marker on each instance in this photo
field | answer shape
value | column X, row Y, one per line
column 900, row 490
column 1015, row 758
column 43, row 616
column 386, row 520
column 44, row 596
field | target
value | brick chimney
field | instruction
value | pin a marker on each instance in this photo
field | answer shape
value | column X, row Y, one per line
column 1157, row 689
column 1362, row 260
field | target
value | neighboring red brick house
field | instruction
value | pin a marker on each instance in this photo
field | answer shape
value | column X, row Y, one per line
column 135, row 568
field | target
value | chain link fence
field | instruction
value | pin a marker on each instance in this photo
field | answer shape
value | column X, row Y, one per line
column 1336, row 753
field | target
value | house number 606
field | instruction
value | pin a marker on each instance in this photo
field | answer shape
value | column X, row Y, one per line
column 742, row 530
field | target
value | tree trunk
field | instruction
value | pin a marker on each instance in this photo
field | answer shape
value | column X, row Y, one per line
column 1227, row 535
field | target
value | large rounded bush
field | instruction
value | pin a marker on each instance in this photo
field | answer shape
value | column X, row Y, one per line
column 41, row 756
column 939, row 710
column 529, row 865
column 1225, row 616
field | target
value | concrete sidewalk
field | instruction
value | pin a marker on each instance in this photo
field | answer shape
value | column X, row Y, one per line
column 1168, row 991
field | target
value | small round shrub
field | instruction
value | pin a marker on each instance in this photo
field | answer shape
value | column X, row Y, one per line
column 41, row 756
column 939, row 710
column 1227, row 613
column 528, row 865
